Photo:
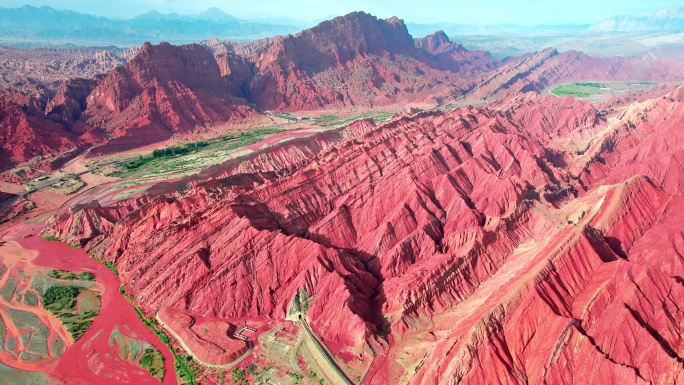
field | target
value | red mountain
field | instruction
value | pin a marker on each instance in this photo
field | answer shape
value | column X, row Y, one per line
column 456, row 58
column 355, row 60
column 534, row 241
column 535, row 72
column 162, row 91
column 26, row 133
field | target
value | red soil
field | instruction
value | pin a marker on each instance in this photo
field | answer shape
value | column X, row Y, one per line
column 14, row 259
column 91, row 360
column 216, row 346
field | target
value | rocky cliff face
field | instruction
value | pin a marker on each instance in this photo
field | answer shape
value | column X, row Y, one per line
column 163, row 90
column 536, row 72
column 354, row 61
column 534, row 240
column 26, row 133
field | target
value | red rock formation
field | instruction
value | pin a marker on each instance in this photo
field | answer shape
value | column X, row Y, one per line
column 24, row 136
column 209, row 342
column 536, row 241
column 356, row 60
column 70, row 100
column 456, row 58
column 163, row 90
column 12, row 206
column 540, row 70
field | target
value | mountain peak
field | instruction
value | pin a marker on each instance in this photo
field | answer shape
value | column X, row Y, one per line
column 662, row 20
column 215, row 14
column 435, row 43
column 363, row 32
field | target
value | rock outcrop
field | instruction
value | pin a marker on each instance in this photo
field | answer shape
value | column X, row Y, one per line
column 25, row 132
column 211, row 343
column 534, row 240
column 162, row 91
column 354, row 61
column 12, row 206
column 535, row 72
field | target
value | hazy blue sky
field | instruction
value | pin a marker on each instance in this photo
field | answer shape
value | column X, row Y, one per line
column 530, row 12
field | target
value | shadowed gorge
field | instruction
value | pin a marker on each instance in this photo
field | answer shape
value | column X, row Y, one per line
column 348, row 204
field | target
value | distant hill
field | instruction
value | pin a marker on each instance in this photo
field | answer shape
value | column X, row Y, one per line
column 455, row 29
column 663, row 20
column 30, row 24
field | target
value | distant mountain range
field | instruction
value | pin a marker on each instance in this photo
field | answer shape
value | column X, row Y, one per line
column 45, row 26
column 663, row 20
column 48, row 24
column 624, row 35
column 455, row 29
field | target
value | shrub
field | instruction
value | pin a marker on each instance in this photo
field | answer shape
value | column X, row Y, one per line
column 60, row 297
column 86, row 276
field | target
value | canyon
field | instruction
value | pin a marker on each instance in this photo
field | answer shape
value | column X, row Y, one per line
column 352, row 62
column 445, row 242
column 482, row 232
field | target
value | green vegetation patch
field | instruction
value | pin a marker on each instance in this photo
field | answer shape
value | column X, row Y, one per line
column 13, row 376
column 57, row 347
column 167, row 152
column 135, row 349
column 186, row 369
column 108, row 264
column 8, row 291
column 335, row 121
column 58, row 298
column 38, row 343
column 239, row 376
column 3, row 333
column 40, row 283
column 30, row 299
column 580, row 90
column 191, row 156
column 12, row 344
column 153, row 361
column 68, row 275
column 25, row 337
column 62, row 302
column 153, row 325
column 23, row 319
column 128, row 193
column 129, row 349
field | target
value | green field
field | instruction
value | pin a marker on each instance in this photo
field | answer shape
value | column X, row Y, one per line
column 9, row 375
column 580, row 90
column 69, row 276
column 133, row 350
column 332, row 121
column 192, row 156
column 74, row 305
column 153, row 362
column 598, row 90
